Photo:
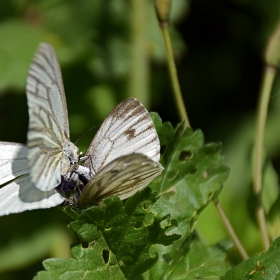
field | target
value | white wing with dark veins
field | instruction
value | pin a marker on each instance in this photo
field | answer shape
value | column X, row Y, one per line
column 122, row 177
column 18, row 193
column 127, row 129
column 21, row 195
column 48, row 132
column 13, row 161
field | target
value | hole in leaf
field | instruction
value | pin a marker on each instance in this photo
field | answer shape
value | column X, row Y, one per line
column 149, row 219
column 108, row 226
column 146, row 205
column 169, row 194
column 105, row 255
column 84, row 244
column 172, row 175
column 165, row 223
column 184, row 155
column 138, row 225
column 167, row 258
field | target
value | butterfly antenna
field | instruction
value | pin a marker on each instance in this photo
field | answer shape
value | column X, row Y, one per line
column 82, row 159
column 84, row 134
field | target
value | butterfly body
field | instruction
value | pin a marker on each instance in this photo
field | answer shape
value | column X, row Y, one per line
column 70, row 181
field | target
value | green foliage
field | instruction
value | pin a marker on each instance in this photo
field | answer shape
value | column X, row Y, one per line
column 77, row 32
column 12, row 52
column 19, row 251
column 274, row 220
column 165, row 130
column 270, row 190
column 193, row 177
column 261, row 266
column 114, row 239
column 87, row 263
column 137, row 236
column 198, row 261
column 102, row 47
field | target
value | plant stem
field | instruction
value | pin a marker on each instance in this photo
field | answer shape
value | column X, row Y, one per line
column 138, row 82
column 231, row 231
column 173, row 74
column 164, row 24
column 267, row 82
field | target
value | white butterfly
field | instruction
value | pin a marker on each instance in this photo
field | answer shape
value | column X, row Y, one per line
column 121, row 159
column 19, row 193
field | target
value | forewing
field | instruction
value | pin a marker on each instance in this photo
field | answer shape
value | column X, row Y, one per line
column 21, row 195
column 48, row 131
column 122, row 177
column 45, row 87
column 127, row 129
column 13, row 161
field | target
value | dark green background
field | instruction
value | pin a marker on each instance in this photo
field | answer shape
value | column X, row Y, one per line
column 218, row 47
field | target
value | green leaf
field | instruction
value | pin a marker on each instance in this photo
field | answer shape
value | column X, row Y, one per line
column 270, row 189
column 261, row 266
column 87, row 263
column 122, row 232
column 193, row 176
column 165, row 130
column 194, row 261
column 273, row 220
column 70, row 211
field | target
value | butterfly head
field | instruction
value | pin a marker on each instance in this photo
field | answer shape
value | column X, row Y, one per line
column 72, row 152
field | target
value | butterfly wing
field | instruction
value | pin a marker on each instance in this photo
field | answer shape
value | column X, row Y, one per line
column 127, row 129
column 21, row 195
column 48, row 132
column 13, row 161
column 122, row 177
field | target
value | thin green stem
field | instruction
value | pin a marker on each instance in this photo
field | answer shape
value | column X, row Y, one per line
column 164, row 24
column 231, row 231
column 173, row 74
column 267, row 82
column 138, row 82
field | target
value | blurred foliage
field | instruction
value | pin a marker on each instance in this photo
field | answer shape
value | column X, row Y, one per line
column 105, row 58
